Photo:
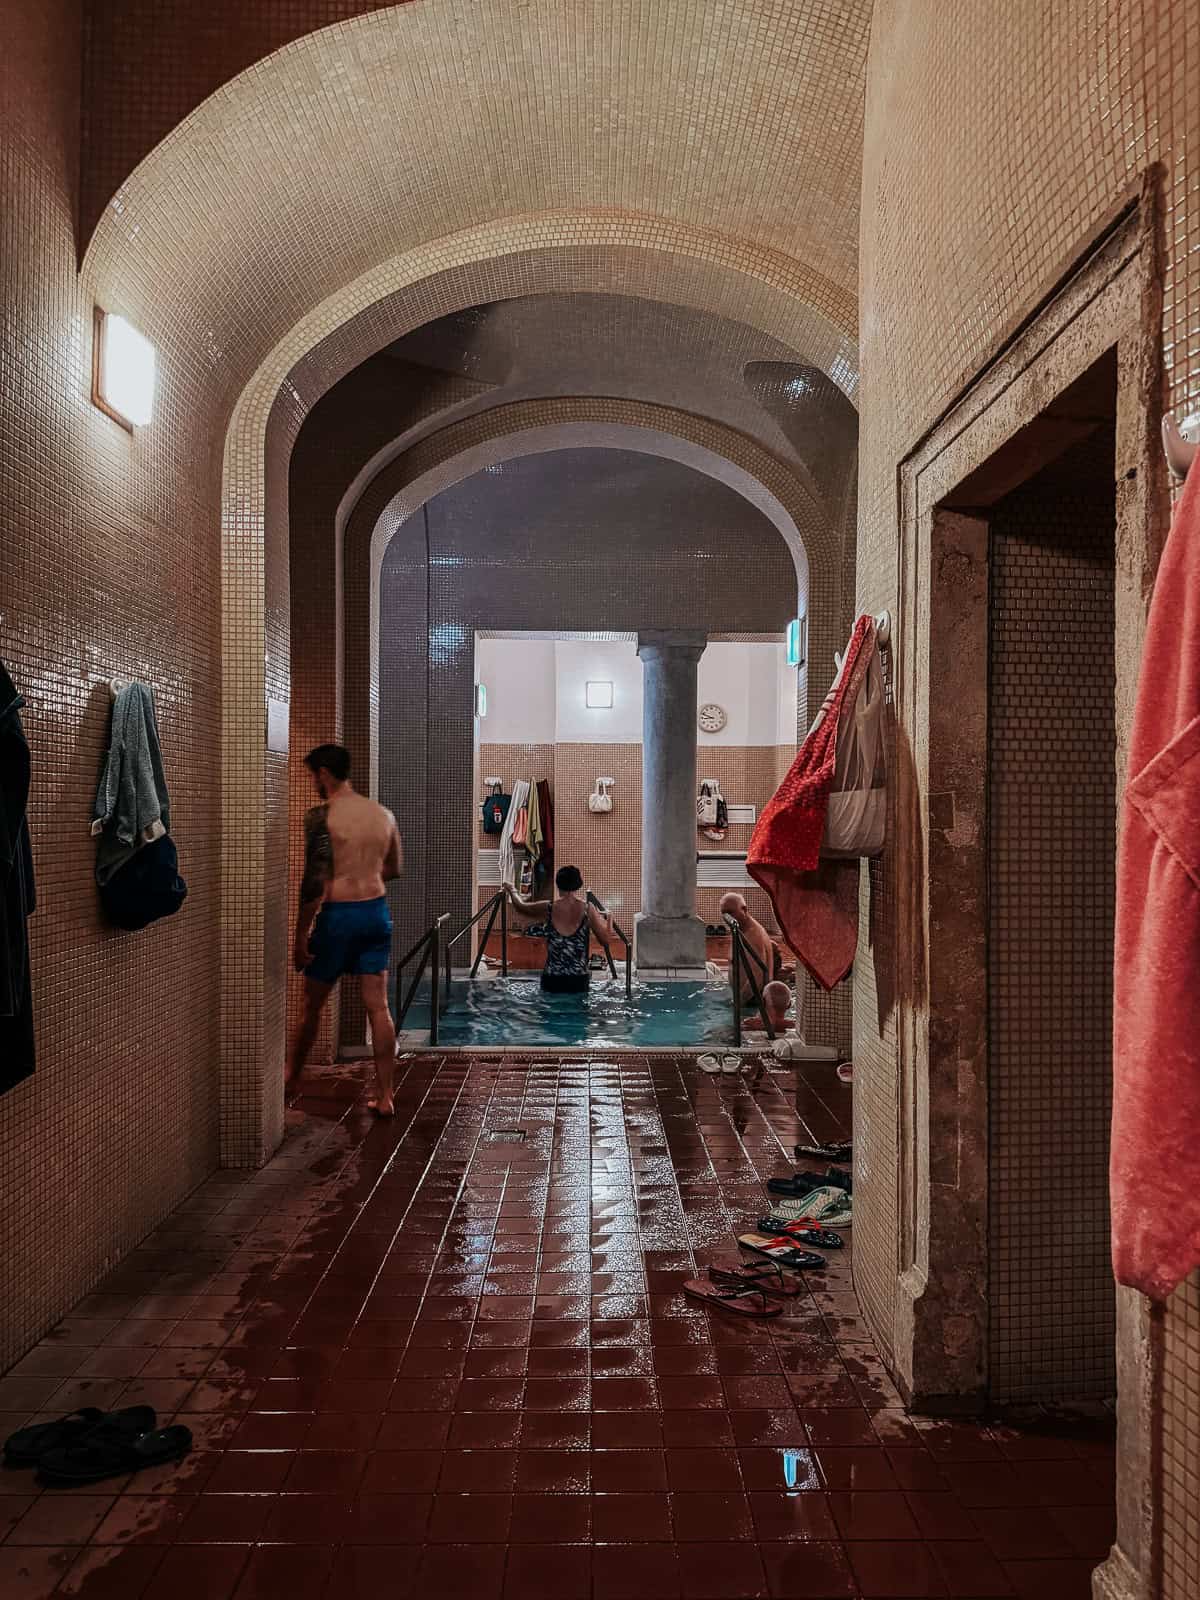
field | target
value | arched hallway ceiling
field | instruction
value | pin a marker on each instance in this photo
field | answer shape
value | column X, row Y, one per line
column 557, row 346
column 383, row 149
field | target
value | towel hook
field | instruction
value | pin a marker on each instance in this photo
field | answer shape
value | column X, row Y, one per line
column 115, row 686
column 1180, row 449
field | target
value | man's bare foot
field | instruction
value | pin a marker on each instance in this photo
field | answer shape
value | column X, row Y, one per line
column 381, row 1107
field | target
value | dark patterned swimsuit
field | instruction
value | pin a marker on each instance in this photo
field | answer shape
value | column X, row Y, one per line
column 566, row 969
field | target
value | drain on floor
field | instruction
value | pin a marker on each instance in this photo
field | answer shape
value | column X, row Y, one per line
column 505, row 1136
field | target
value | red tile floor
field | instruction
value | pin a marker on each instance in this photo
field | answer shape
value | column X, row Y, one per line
column 418, row 1362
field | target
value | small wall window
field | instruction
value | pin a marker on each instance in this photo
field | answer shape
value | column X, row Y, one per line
column 123, row 371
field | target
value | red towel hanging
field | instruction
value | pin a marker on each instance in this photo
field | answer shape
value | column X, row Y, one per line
column 815, row 901
column 1156, row 973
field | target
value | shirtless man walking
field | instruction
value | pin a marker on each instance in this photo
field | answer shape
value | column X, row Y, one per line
column 351, row 849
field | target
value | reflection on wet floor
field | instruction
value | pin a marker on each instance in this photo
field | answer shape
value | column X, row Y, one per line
column 421, row 1363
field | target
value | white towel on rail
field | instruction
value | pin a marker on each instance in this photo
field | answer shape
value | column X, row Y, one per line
column 508, row 863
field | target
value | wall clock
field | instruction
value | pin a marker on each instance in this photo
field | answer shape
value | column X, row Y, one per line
column 712, row 718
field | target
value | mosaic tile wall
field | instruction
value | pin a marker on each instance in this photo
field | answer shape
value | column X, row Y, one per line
column 1052, row 842
column 607, row 847
column 1089, row 92
column 119, row 1120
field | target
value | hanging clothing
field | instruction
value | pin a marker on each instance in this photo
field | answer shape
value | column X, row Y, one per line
column 132, row 805
column 546, row 813
column 1155, row 1156
column 508, row 861
column 533, row 827
column 17, row 897
column 145, row 887
column 815, row 900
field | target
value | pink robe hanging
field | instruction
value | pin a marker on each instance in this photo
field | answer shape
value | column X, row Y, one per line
column 815, row 901
column 1155, row 1167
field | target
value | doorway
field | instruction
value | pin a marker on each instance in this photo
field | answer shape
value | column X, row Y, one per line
column 1029, row 518
column 1051, row 854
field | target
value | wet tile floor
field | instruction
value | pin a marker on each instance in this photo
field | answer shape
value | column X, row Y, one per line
column 418, row 1361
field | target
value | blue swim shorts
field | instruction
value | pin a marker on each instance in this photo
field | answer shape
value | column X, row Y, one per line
column 352, row 936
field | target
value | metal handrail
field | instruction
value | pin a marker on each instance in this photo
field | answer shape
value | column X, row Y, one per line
column 497, row 904
column 431, row 947
column 625, row 940
column 739, row 951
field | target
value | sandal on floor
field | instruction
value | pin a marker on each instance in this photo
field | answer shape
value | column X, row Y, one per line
column 111, row 1453
column 731, row 1065
column 824, row 1152
column 797, row 1187
column 803, row 1183
column 708, row 1063
column 762, row 1275
column 823, row 1208
column 801, row 1232
column 743, row 1298
column 779, row 1253
column 28, row 1446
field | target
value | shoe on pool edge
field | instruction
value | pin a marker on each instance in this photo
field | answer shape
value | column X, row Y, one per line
column 709, row 1064
column 731, row 1066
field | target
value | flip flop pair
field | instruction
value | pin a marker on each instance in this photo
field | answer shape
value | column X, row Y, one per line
column 780, row 1252
column 820, row 1208
column 746, row 1290
column 88, row 1445
column 800, row 1232
column 729, row 1065
column 802, row 1183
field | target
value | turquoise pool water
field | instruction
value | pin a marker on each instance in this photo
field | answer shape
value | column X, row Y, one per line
column 514, row 1011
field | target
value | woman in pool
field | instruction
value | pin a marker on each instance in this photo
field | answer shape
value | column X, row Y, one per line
column 567, row 925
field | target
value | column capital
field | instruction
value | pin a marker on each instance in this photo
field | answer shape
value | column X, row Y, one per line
column 688, row 643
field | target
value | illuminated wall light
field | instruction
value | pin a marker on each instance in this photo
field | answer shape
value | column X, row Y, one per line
column 599, row 696
column 797, row 641
column 123, row 371
column 481, row 699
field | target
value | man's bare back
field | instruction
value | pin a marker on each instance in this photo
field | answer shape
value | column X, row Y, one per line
column 351, row 849
column 365, row 844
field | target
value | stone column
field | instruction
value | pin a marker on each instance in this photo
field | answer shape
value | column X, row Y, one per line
column 669, row 933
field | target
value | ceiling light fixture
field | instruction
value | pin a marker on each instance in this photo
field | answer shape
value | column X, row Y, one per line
column 123, row 371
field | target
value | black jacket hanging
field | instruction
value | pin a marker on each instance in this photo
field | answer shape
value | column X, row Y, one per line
column 17, row 899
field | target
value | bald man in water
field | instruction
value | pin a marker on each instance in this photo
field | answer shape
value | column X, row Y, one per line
column 757, row 937
column 352, row 848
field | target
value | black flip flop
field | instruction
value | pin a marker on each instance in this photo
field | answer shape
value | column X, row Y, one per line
column 800, row 1233
column 796, row 1187
column 824, row 1152
column 111, row 1454
column 780, row 1253
column 28, row 1446
column 805, row 1182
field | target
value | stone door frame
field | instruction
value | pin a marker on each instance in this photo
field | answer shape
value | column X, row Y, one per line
column 998, row 433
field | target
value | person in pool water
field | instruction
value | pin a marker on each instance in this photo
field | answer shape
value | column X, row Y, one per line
column 567, row 926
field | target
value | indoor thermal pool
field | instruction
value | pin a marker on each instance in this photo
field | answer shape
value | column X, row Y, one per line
column 515, row 1012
